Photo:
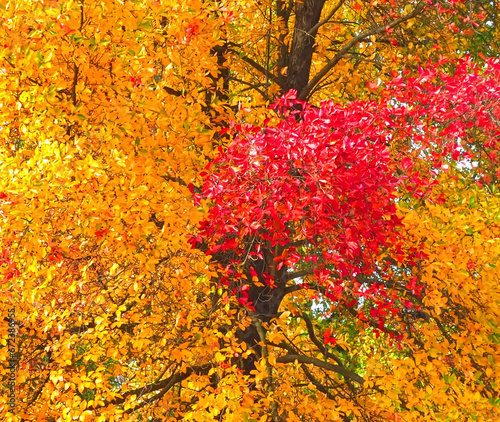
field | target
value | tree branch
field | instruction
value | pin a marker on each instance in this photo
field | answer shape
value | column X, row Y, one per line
column 265, row 355
column 172, row 381
column 297, row 287
column 163, row 385
column 342, row 52
column 297, row 274
column 322, row 364
column 42, row 385
column 319, row 345
column 260, row 68
column 327, row 18
column 323, row 388
column 181, row 182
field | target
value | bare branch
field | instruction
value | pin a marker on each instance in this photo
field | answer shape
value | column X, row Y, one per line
column 37, row 393
column 265, row 355
column 298, row 287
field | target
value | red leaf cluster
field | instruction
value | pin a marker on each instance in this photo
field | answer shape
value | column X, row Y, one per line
column 318, row 189
column 323, row 176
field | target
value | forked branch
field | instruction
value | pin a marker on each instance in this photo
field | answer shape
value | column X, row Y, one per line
column 344, row 50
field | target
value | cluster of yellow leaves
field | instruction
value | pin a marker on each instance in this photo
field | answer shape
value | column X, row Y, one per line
column 105, row 122
column 448, row 367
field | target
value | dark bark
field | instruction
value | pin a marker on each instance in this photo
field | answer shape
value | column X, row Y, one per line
column 307, row 15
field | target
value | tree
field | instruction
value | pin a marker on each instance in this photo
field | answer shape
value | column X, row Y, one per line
column 307, row 205
column 356, row 304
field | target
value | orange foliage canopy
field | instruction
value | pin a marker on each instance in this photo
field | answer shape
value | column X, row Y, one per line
column 356, row 284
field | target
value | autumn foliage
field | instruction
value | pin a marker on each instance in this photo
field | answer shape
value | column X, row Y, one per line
column 309, row 203
column 249, row 211
column 316, row 188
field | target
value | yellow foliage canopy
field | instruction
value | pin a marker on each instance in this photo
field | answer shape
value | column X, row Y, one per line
column 110, row 112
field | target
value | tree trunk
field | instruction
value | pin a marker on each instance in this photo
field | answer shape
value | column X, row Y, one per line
column 307, row 15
